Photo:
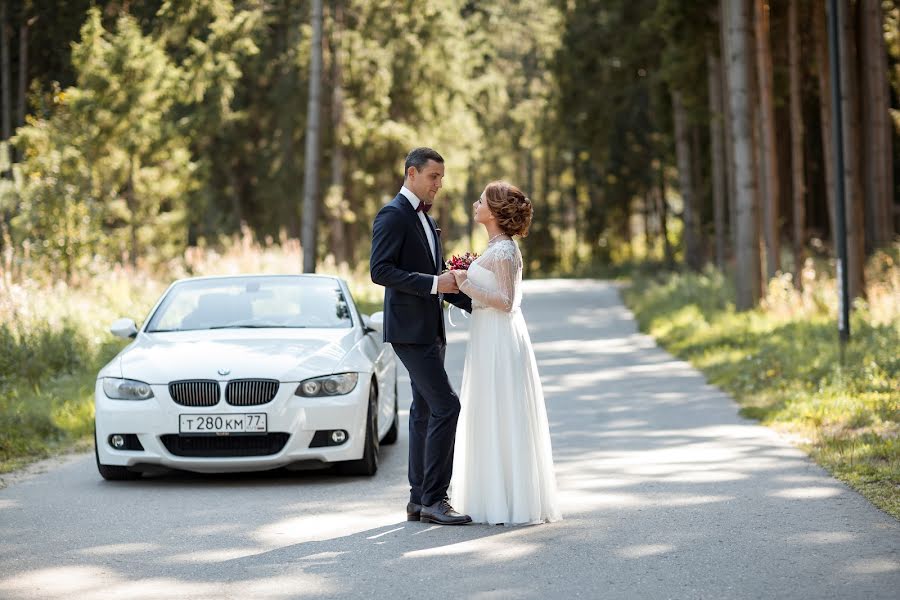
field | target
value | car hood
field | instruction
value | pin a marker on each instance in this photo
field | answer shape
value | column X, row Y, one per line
column 286, row 355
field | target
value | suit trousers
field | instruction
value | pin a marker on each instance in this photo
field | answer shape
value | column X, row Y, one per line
column 432, row 421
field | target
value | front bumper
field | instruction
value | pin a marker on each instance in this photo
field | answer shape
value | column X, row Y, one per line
column 296, row 416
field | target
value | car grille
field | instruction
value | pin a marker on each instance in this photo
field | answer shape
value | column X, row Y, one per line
column 195, row 393
column 212, row 446
column 250, row 392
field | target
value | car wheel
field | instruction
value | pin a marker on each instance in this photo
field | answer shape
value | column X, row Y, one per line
column 368, row 464
column 113, row 472
column 393, row 433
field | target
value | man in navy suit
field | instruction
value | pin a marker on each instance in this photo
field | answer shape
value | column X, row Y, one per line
column 407, row 260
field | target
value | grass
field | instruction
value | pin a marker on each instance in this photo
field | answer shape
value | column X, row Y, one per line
column 54, row 336
column 40, row 421
column 781, row 363
column 53, row 340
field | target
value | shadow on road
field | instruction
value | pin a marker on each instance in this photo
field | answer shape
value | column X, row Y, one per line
column 666, row 493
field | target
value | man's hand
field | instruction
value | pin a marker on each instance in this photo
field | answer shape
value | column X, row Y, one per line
column 447, row 283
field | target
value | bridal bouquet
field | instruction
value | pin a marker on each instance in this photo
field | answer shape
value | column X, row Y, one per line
column 460, row 262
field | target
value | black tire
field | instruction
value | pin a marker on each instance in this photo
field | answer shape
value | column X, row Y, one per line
column 394, row 432
column 113, row 472
column 368, row 464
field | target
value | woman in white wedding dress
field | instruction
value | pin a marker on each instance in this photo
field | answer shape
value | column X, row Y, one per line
column 503, row 464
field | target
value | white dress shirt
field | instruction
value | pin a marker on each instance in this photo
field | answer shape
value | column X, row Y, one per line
column 414, row 201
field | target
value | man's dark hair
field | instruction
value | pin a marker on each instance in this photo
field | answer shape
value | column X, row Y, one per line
column 419, row 157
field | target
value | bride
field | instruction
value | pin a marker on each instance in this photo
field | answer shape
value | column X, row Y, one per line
column 503, row 464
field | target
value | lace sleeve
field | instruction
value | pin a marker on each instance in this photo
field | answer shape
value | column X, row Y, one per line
column 503, row 262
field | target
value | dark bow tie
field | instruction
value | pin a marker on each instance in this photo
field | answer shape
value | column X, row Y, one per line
column 422, row 207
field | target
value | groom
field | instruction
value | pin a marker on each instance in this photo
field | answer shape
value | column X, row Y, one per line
column 406, row 259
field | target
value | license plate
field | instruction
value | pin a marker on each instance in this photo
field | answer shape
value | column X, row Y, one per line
column 235, row 423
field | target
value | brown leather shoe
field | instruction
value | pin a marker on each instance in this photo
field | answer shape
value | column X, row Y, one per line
column 413, row 511
column 443, row 514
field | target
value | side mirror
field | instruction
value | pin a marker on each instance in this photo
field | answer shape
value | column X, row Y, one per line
column 123, row 328
column 376, row 321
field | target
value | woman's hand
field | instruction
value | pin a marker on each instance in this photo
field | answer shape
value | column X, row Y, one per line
column 460, row 276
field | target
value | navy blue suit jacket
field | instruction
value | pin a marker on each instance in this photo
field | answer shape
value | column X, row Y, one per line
column 402, row 262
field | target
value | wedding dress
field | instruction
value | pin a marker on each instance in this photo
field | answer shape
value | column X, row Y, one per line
column 503, row 464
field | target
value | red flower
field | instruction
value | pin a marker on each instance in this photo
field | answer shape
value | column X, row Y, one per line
column 460, row 263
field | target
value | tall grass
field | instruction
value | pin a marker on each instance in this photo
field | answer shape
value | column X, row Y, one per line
column 54, row 335
column 782, row 362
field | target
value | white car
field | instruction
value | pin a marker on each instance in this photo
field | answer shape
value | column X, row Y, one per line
column 248, row 373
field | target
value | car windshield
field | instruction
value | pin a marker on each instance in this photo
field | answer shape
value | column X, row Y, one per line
column 252, row 302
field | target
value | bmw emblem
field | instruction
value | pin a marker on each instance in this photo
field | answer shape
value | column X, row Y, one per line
column 224, row 372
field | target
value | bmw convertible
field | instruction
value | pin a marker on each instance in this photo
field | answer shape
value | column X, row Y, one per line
column 248, row 373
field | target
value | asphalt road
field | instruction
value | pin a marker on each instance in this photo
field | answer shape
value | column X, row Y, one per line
column 666, row 493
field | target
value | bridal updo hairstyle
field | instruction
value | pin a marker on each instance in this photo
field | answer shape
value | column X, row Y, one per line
column 510, row 207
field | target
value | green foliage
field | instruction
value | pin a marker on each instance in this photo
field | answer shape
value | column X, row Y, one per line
column 786, row 371
column 56, row 224
column 687, row 28
column 185, row 123
column 36, row 353
column 106, row 174
column 53, row 340
column 39, row 420
column 158, row 125
column 179, row 122
column 614, row 111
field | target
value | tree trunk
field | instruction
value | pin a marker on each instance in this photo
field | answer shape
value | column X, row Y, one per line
column 624, row 224
column 700, row 193
column 825, row 113
column 21, row 108
column 5, row 97
column 747, row 249
column 756, row 137
column 471, row 192
column 288, row 207
column 686, row 181
column 798, row 184
column 570, row 250
column 235, row 185
column 529, row 191
column 854, row 200
column 718, row 151
column 336, row 193
column 877, row 127
column 529, row 172
column 132, row 210
column 769, row 183
column 544, row 240
column 311, row 172
column 647, row 218
column 759, row 170
column 663, row 212
column 729, row 140
column 352, row 225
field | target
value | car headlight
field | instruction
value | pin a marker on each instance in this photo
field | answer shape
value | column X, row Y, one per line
column 126, row 389
column 332, row 385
